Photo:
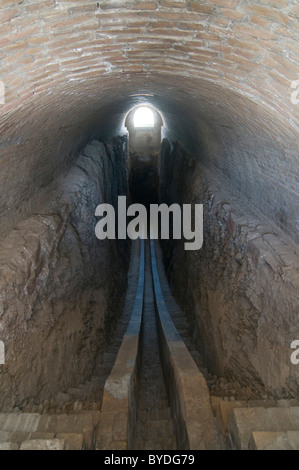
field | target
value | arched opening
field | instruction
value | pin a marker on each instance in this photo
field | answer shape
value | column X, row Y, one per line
column 143, row 117
column 144, row 126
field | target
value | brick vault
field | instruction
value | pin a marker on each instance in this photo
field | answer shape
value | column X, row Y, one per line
column 224, row 76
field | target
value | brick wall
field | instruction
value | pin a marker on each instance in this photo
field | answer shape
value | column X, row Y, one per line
column 226, row 66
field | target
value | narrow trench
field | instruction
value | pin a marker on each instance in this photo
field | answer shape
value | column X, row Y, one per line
column 154, row 427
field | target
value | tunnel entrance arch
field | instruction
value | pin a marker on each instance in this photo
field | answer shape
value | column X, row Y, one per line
column 144, row 125
column 143, row 117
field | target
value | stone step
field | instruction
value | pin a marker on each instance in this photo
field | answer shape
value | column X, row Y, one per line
column 76, row 430
column 245, row 421
column 9, row 446
column 22, row 422
column 222, row 409
column 288, row 402
column 288, row 440
column 73, row 441
column 14, row 437
column 43, row 444
column 40, row 440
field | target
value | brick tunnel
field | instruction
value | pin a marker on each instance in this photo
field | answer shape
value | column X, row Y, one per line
column 223, row 78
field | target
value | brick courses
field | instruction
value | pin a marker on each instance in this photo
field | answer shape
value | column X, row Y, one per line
column 59, row 59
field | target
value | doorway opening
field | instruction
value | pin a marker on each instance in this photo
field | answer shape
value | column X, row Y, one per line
column 143, row 117
column 144, row 125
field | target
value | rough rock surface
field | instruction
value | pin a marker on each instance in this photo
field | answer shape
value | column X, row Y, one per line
column 240, row 290
column 59, row 285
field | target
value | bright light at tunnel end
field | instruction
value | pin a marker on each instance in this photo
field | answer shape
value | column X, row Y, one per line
column 182, row 222
column 143, row 117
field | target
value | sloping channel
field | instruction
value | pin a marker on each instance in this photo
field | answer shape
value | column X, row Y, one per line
column 138, row 411
column 154, row 428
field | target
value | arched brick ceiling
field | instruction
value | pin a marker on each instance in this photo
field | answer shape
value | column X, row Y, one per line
column 219, row 71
